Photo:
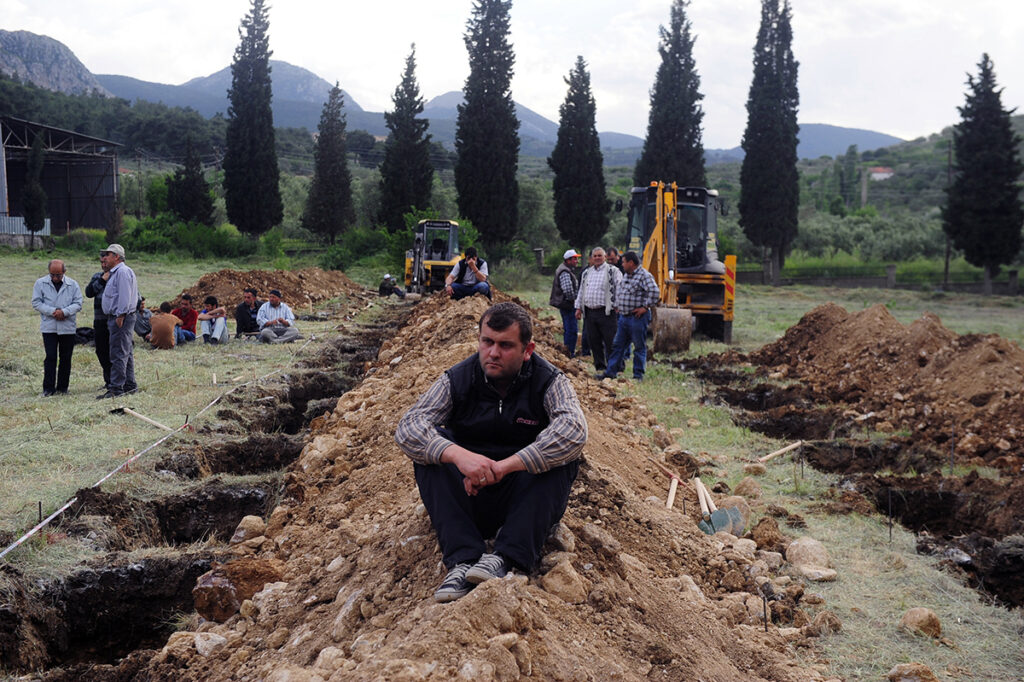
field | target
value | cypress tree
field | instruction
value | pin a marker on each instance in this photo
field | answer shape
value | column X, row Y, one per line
column 983, row 213
column 251, row 190
column 406, row 174
column 33, row 198
column 329, row 208
column 487, row 130
column 188, row 193
column 581, row 206
column 769, row 181
column 673, row 150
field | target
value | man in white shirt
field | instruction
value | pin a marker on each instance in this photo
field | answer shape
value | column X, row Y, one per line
column 595, row 305
column 276, row 320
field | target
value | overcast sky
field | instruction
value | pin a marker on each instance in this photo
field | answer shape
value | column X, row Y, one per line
column 894, row 66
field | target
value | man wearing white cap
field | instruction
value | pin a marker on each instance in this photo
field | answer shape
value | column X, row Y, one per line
column 563, row 296
column 388, row 286
column 120, row 300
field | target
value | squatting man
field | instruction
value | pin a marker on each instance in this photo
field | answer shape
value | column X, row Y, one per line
column 495, row 444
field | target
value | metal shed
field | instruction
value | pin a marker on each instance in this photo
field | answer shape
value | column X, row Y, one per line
column 79, row 177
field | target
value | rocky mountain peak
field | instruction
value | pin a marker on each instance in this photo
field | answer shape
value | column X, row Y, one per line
column 46, row 63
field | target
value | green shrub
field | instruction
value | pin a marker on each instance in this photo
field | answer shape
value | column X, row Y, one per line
column 83, row 239
column 163, row 234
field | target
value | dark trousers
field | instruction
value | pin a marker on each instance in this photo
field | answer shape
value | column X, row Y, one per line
column 57, row 363
column 103, row 348
column 570, row 330
column 518, row 512
column 600, row 329
column 122, row 360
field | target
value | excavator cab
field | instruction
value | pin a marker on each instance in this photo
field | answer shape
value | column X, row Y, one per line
column 435, row 251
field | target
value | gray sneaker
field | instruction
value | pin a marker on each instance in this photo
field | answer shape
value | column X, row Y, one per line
column 454, row 585
column 487, row 567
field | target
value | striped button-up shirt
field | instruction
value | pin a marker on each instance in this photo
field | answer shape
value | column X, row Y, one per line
column 559, row 443
column 636, row 290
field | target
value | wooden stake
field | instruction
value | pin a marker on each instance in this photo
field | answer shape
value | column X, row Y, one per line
column 772, row 455
column 214, row 378
column 672, row 492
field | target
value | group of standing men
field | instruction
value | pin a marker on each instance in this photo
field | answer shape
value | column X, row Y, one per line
column 119, row 311
column 613, row 297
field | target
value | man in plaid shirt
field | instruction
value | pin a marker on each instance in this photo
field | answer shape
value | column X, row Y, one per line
column 636, row 294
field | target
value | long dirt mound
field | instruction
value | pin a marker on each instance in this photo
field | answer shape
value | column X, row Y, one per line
column 633, row 591
column 921, row 379
column 299, row 288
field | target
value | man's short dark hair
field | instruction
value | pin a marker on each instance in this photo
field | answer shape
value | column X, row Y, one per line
column 186, row 297
column 210, row 300
column 274, row 292
column 165, row 307
column 631, row 257
column 251, row 290
column 612, row 249
column 501, row 316
column 471, row 253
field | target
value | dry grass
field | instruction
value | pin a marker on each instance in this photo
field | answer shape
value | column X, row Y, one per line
column 51, row 447
column 878, row 581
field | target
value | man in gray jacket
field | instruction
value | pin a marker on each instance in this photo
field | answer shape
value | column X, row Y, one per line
column 120, row 299
column 57, row 299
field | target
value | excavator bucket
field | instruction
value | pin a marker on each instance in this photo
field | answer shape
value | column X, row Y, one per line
column 672, row 329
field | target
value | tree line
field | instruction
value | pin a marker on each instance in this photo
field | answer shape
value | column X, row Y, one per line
column 981, row 207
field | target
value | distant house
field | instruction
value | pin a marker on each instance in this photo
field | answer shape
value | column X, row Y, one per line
column 880, row 173
column 79, row 176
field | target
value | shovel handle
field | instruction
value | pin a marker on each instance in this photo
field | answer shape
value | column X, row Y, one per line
column 780, row 451
column 146, row 419
column 664, row 469
column 700, row 497
column 706, row 502
column 672, row 492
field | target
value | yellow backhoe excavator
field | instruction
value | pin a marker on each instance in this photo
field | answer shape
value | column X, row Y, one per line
column 435, row 251
column 675, row 232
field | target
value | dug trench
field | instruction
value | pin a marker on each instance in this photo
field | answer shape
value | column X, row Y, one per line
column 882, row 409
column 151, row 548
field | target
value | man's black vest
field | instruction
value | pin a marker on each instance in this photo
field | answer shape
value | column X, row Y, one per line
column 483, row 422
column 460, row 269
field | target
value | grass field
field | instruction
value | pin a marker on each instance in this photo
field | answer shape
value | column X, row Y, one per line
column 50, row 447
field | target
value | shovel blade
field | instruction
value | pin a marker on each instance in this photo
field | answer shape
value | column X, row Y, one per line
column 707, row 525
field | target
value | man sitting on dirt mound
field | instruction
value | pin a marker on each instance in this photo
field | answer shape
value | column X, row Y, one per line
column 495, row 444
column 276, row 320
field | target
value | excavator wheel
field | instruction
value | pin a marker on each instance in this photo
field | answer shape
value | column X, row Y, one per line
column 672, row 330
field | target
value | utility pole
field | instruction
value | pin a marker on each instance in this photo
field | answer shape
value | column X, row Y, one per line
column 138, row 183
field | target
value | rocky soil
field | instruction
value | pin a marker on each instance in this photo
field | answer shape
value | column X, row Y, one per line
column 628, row 590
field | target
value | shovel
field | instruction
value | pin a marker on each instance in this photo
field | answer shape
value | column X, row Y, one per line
column 714, row 519
column 126, row 410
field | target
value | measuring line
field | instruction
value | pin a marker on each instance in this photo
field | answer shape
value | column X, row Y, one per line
column 45, row 522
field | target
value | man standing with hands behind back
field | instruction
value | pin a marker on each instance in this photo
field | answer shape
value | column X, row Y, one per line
column 94, row 290
column 120, row 298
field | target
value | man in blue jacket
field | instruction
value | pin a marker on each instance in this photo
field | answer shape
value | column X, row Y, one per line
column 57, row 299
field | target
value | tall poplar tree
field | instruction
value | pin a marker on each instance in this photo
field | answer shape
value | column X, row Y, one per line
column 406, row 174
column 251, row 190
column 188, row 193
column 33, row 198
column 329, row 207
column 581, row 206
column 487, row 130
column 673, row 150
column 769, row 181
column 983, row 213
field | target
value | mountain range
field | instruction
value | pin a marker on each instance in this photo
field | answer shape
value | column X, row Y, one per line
column 299, row 95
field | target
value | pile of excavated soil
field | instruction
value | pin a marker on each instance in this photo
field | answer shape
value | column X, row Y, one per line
column 920, row 378
column 631, row 591
column 299, row 288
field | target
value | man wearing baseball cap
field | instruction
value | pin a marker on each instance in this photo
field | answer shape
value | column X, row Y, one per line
column 563, row 296
column 120, row 299
column 389, row 286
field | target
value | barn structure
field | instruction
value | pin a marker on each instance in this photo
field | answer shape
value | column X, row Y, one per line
column 79, row 177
